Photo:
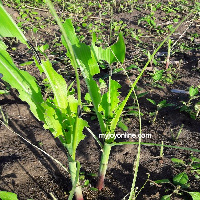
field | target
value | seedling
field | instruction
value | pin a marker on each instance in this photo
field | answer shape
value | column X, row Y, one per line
column 192, row 166
column 150, row 19
column 180, row 182
column 159, row 106
column 164, row 76
column 178, row 134
column 189, row 107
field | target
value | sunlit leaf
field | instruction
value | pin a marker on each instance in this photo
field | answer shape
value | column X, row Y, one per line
column 8, row 27
column 166, row 197
column 26, row 85
column 8, row 196
column 193, row 91
column 181, row 179
column 195, row 195
column 177, row 161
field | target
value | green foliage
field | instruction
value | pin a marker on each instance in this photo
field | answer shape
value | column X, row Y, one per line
column 191, row 107
column 8, row 195
column 29, row 91
column 60, row 112
column 158, row 75
column 4, row 92
column 165, row 197
column 193, row 91
column 164, row 76
column 8, row 28
column 181, row 179
column 193, row 166
column 150, row 19
column 180, row 182
column 160, row 105
column 114, row 53
column 177, row 161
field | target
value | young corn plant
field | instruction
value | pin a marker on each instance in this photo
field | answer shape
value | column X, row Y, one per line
column 107, row 106
column 59, row 114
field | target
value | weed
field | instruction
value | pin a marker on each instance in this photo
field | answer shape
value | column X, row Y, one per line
column 159, row 106
column 189, row 107
column 180, row 182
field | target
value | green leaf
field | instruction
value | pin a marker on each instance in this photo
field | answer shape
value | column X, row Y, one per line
column 166, row 197
column 58, row 85
column 114, row 94
column 175, row 20
column 8, row 196
column 195, row 195
column 193, row 91
column 162, row 181
column 26, row 85
column 93, row 189
column 4, row 92
column 86, row 183
column 152, row 101
column 111, row 54
column 177, row 161
column 30, row 92
column 181, row 179
column 8, row 27
column 122, row 126
column 197, row 106
column 84, row 57
column 110, row 99
column 26, row 63
column 157, row 76
column 53, row 119
column 88, row 98
column 196, row 166
column 142, row 94
column 80, row 123
column 162, row 104
column 44, row 47
column 119, row 111
column 102, row 84
column 194, row 159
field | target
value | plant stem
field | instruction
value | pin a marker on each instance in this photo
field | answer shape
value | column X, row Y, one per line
column 132, row 193
column 161, row 150
column 179, row 132
column 74, row 172
column 168, row 54
column 155, row 116
column 103, row 165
